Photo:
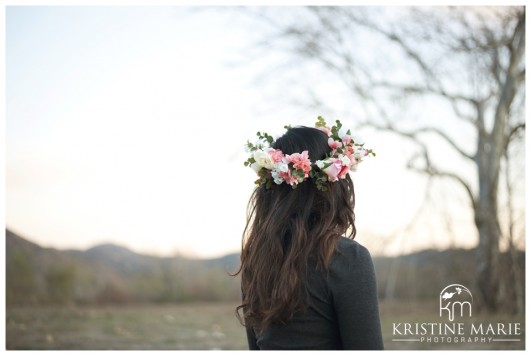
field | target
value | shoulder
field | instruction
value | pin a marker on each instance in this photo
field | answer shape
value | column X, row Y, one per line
column 350, row 257
column 351, row 272
column 347, row 249
column 345, row 244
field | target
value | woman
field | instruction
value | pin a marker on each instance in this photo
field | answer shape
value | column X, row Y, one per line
column 304, row 286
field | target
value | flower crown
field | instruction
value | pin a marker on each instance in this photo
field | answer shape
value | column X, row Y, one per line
column 273, row 166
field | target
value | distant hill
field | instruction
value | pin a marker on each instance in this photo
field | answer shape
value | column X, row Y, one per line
column 113, row 274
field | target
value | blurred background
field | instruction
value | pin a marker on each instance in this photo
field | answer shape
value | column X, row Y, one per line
column 126, row 191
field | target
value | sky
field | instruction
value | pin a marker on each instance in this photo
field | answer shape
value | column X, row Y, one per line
column 123, row 126
column 126, row 125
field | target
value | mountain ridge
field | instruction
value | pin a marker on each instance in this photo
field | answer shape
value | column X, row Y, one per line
column 110, row 273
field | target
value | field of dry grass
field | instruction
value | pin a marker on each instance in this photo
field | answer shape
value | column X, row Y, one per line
column 191, row 326
column 140, row 327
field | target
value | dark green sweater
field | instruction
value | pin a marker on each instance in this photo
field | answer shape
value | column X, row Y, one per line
column 343, row 308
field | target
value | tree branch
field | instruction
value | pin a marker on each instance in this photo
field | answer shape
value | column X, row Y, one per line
column 413, row 135
column 520, row 76
column 393, row 37
column 436, row 173
column 424, row 90
column 432, row 171
column 514, row 131
column 510, row 85
column 477, row 122
column 447, row 138
column 429, row 169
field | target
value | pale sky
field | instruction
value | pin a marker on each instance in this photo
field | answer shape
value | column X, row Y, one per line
column 127, row 125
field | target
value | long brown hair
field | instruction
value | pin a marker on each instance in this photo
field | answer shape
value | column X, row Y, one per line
column 286, row 230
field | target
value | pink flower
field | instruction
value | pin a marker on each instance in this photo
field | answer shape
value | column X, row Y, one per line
column 325, row 129
column 334, row 144
column 294, row 180
column 333, row 170
column 346, row 139
column 285, row 176
column 349, row 149
column 361, row 152
column 289, row 178
column 301, row 161
column 353, row 159
column 344, row 171
column 276, row 155
column 353, row 162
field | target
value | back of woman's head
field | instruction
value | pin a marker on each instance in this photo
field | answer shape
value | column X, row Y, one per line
column 290, row 230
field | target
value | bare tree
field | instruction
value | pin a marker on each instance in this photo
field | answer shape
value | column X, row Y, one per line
column 468, row 59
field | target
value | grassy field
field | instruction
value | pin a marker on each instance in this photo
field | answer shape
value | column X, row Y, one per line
column 145, row 327
column 193, row 326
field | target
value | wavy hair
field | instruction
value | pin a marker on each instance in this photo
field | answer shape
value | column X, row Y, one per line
column 288, row 230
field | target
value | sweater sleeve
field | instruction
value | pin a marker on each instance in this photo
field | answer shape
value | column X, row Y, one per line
column 355, row 298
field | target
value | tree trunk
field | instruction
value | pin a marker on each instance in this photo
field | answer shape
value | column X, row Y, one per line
column 517, row 280
column 487, row 223
column 490, row 149
column 488, row 253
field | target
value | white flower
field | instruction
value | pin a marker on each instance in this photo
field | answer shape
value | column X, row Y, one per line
column 282, row 167
column 345, row 161
column 278, row 179
column 256, row 167
column 263, row 159
column 358, row 140
column 320, row 164
column 360, row 152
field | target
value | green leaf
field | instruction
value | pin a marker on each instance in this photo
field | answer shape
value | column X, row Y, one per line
column 320, row 122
